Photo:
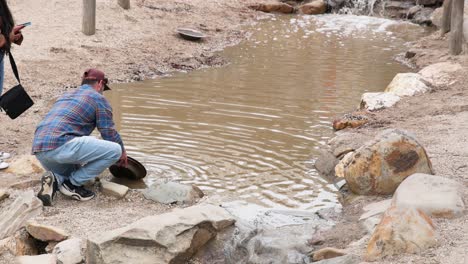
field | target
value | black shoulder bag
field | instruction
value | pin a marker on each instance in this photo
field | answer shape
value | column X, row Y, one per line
column 15, row 101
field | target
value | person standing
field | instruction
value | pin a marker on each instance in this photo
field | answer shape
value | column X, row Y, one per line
column 9, row 33
column 63, row 145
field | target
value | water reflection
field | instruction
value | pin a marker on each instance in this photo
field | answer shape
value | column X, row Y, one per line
column 252, row 129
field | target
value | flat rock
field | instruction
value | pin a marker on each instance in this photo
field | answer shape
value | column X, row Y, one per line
column 46, row 233
column 377, row 101
column 173, row 192
column 69, row 251
column 407, row 84
column 434, row 195
column 172, row 237
column 25, row 165
column 21, row 210
column 39, row 259
column 114, row 189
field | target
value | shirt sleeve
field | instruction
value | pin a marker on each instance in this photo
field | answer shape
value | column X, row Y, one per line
column 105, row 123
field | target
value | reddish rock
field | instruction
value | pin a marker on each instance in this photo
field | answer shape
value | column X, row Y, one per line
column 314, row 8
column 274, row 7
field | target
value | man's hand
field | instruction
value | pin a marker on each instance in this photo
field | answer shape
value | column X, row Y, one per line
column 123, row 161
column 16, row 36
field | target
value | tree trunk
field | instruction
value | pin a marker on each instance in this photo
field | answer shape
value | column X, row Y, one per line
column 89, row 17
column 447, row 11
column 125, row 4
column 456, row 35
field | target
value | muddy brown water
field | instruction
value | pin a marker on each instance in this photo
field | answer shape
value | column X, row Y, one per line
column 251, row 129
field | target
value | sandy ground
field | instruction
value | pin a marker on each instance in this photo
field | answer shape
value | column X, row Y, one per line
column 140, row 43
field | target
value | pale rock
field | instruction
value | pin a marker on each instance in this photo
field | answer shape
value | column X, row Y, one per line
column 327, row 253
column 406, row 230
column 407, row 84
column 256, row 239
column 69, row 251
column 25, row 165
column 377, row 208
column 382, row 164
column 316, row 7
column 114, row 189
column 173, row 192
column 39, row 259
column 377, row 101
column 434, row 195
column 21, row 210
column 46, row 233
column 172, row 237
column 340, row 167
column 436, row 17
column 441, row 74
column 346, row 259
column 3, row 194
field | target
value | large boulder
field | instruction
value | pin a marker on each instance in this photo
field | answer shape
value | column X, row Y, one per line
column 21, row 210
column 316, row 7
column 172, row 237
column 273, row 7
column 434, row 195
column 378, row 101
column 400, row 231
column 441, row 74
column 407, row 84
column 382, row 164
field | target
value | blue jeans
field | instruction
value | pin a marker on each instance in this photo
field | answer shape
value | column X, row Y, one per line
column 2, row 73
column 80, row 159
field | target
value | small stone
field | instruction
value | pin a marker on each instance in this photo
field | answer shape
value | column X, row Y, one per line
column 114, row 189
column 327, row 253
column 46, row 233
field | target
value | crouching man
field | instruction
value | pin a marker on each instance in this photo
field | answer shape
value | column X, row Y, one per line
column 63, row 145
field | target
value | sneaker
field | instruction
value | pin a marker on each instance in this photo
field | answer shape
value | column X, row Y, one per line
column 48, row 188
column 3, row 165
column 4, row 155
column 76, row 192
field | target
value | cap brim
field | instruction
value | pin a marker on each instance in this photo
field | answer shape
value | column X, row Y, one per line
column 106, row 87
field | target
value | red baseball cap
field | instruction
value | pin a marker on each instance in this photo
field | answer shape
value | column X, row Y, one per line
column 95, row 74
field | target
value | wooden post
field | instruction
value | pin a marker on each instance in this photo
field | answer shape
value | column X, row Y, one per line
column 446, row 15
column 456, row 35
column 125, row 4
column 89, row 17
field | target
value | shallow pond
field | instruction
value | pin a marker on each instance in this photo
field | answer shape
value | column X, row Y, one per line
column 252, row 129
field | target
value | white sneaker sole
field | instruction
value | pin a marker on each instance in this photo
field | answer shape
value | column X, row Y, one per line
column 74, row 195
column 4, row 165
column 47, row 189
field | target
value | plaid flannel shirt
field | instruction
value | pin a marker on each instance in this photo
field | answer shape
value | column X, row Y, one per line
column 75, row 114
